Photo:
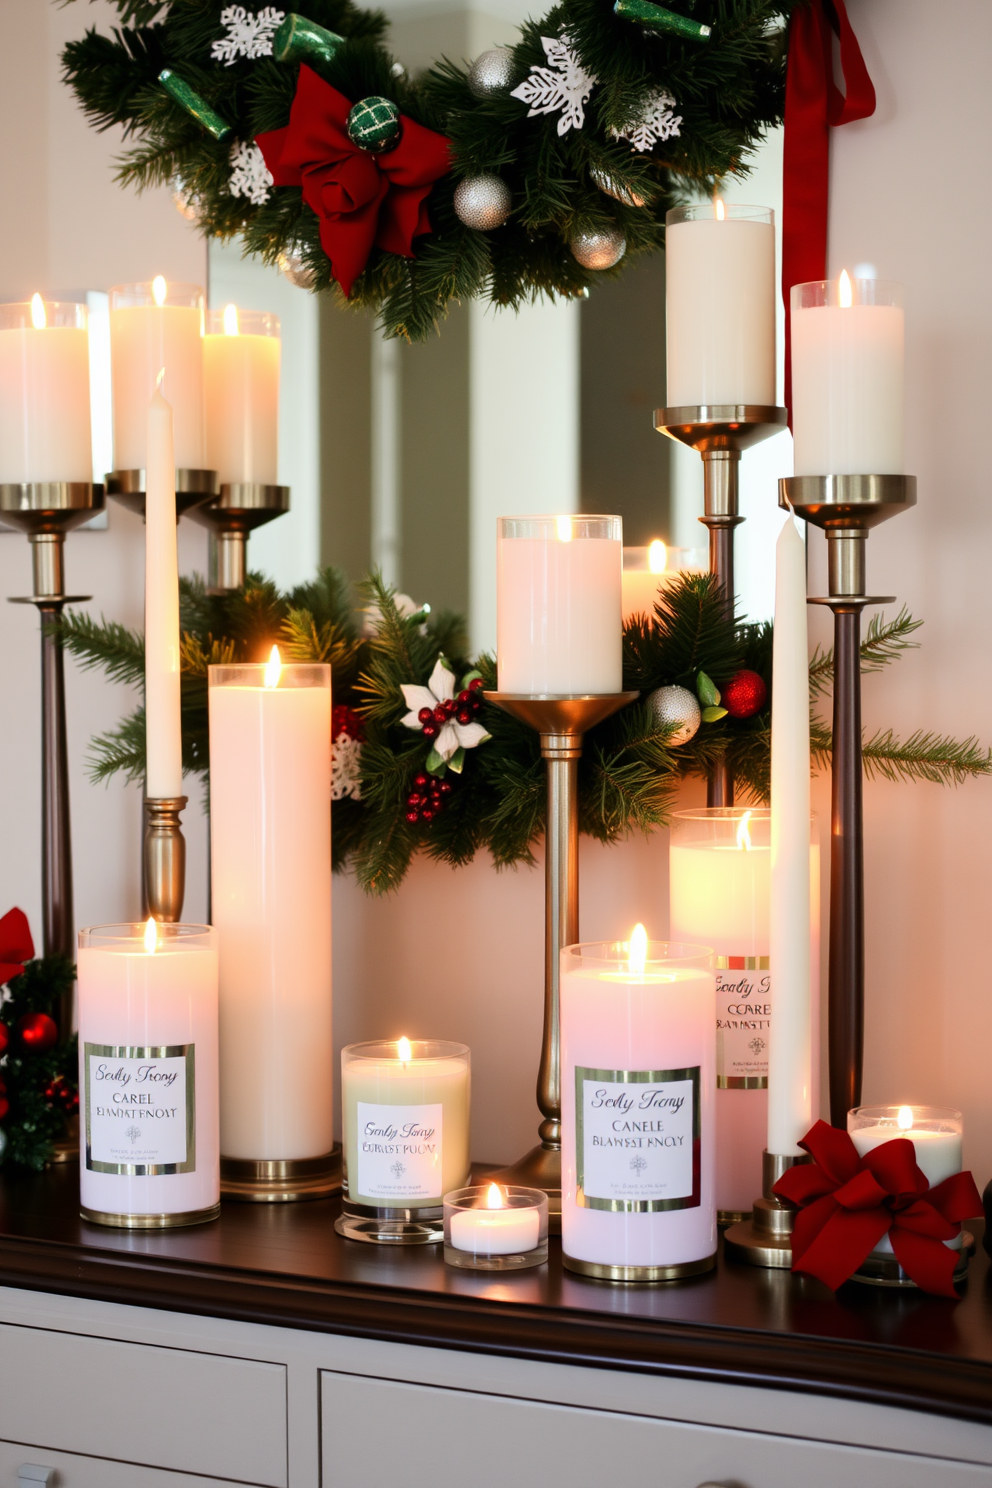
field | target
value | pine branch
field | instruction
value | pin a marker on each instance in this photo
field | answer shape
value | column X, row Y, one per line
column 104, row 644
column 885, row 641
column 924, row 756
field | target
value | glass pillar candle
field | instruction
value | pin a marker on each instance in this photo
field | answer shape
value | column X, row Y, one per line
column 241, row 351
column 720, row 304
column 936, row 1132
column 649, row 570
column 45, row 430
column 638, row 1054
column 847, row 377
column 153, row 327
column 405, row 1109
column 558, row 605
column 148, row 1075
column 495, row 1227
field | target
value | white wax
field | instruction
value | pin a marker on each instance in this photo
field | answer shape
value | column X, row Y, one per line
column 558, row 615
column 495, row 1231
column 163, row 728
column 641, row 589
column 720, row 309
column 938, row 1155
column 410, row 1085
column 132, row 1000
column 847, row 390
column 45, row 405
column 143, row 340
column 241, row 392
column 270, row 839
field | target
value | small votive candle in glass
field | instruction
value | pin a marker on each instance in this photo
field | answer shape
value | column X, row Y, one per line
column 148, row 1075
column 495, row 1227
column 936, row 1133
column 44, row 393
column 154, row 327
column 649, row 570
column 241, row 392
column 406, row 1137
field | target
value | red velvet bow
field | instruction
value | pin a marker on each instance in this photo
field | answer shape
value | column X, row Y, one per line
column 847, row 1203
column 16, row 945
column 361, row 199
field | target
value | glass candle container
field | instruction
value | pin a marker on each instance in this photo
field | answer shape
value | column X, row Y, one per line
column 936, row 1132
column 558, row 605
column 847, row 377
column 148, row 1075
column 495, row 1227
column 45, row 431
column 157, row 326
column 241, row 351
column 649, row 570
column 406, row 1137
column 720, row 304
column 638, row 1059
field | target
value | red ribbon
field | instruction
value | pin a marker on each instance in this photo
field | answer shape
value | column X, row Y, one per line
column 16, row 945
column 362, row 200
column 847, row 1203
column 813, row 103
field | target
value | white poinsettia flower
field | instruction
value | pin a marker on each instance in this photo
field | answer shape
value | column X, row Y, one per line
column 452, row 735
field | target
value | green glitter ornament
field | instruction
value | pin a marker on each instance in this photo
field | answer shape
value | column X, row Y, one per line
column 658, row 19
column 374, row 124
column 191, row 101
column 301, row 40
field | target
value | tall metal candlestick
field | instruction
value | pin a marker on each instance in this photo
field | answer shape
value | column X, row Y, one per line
column 232, row 518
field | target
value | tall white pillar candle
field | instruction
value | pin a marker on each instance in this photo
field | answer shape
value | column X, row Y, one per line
column 155, row 326
column 270, row 841
column 163, row 726
column 936, row 1132
column 847, row 377
column 148, row 1074
column 720, row 304
column 241, row 395
column 649, row 570
column 44, row 393
column 558, row 604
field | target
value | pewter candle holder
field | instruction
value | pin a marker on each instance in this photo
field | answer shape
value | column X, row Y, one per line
column 193, row 488
column 240, row 508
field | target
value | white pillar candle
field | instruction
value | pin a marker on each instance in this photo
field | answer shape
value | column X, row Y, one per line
column 720, row 304
column 163, row 727
column 148, row 1074
column 638, row 1047
column 847, row 377
column 494, row 1229
column 405, row 1107
column 270, row 840
column 558, row 604
column 936, row 1133
column 44, row 393
column 649, row 570
column 241, row 395
column 155, row 326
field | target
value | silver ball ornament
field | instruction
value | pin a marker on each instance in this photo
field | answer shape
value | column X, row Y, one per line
column 483, row 202
column 491, row 72
column 676, row 707
column 294, row 267
column 610, row 186
column 599, row 250
column 3, row 1144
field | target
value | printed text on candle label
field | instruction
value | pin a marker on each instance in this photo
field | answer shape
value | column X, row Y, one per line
column 743, row 1022
column 637, row 1139
column 399, row 1153
column 139, row 1106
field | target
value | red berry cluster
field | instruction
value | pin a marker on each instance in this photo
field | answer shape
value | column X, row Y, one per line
column 345, row 720
column 462, row 709
column 59, row 1093
column 4, row 1102
column 428, row 797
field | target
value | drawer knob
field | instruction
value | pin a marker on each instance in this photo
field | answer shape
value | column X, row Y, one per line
column 30, row 1475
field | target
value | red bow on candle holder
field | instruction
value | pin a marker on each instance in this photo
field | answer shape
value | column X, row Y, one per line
column 847, row 1203
column 362, row 200
column 16, row 945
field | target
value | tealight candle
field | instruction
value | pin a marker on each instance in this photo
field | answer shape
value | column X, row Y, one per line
column 936, row 1133
column 647, row 571
column 156, row 327
column 494, row 1228
column 241, row 390
column 44, row 393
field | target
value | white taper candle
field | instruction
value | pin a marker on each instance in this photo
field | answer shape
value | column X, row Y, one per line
column 163, row 731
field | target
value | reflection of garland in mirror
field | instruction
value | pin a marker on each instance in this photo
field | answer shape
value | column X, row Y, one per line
column 525, row 174
column 493, row 796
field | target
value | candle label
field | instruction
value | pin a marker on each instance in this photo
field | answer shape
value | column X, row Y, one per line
column 140, row 1108
column 637, row 1139
column 743, row 1021
column 399, row 1153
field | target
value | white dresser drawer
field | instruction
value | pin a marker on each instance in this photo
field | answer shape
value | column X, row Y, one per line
column 94, row 1472
column 376, row 1432
column 159, row 1407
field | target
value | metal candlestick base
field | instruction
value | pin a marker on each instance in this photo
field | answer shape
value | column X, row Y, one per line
column 281, row 1181
column 193, row 488
column 562, row 722
column 165, row 858
column 240, row 508
column 766, row 1238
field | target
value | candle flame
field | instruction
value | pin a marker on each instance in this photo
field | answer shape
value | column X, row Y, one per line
column 564, row 526
column 657, row 556
column 845, row 297
column 637, row 950
column 159, row 289
column 905, row 1118
column 273, row 668
column 743, row 835
column 159, row 380
column 494, row 1198
column 404, row 1051
column 151, row 936
column 38, row 317
column 231, row 326
column 720, row 209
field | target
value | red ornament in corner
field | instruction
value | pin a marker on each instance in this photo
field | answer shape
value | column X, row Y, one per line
column 38, row 1032
column 4, row 1037
column 744, row 695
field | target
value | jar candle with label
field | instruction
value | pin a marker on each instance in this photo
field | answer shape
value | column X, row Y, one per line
column 148, row 1075
column 936, row 1132
column 638, row 1058
column 406, row 1137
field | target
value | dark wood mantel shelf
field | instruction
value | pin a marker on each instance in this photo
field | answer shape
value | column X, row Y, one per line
column 284, row 1265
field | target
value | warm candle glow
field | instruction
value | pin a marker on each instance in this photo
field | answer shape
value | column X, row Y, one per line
column 743, row 835
column 159, row 290
column 151, row 936
column 38, row 319
column 494, row 1198
column 273, row 668
column 404, row 1051
column 564, row 526
column 637, row 950
column 657, row 556
column 231, row 327
column 845, row 297
column 905, row 1118
column 721, row 211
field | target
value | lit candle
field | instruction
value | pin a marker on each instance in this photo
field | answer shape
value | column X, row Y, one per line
column 847, row 377
column 148, row 1074
column 155, row 326
column 270, row 840
column 638, row 1053
column 241, row 392
column 44, row 393
column 936, row 1133
column 493, row 1228
column 647, row 571
column 163, row 727
column 558, row 613
column 720, row 304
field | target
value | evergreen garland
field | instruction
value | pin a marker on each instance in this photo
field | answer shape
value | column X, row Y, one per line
column 39, row 1089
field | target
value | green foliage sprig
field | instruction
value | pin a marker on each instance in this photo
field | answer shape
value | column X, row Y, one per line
column 34, row 1122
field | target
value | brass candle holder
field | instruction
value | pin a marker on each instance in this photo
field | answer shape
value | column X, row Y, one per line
column 164, row 861
column 240, row 508
column 765, row 1238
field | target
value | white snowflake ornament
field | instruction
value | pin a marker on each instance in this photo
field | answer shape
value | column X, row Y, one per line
column 655, row 123
column 564, row 85
column 248, row 34
column 346, row 767
column 250, row 176
column 454, row 737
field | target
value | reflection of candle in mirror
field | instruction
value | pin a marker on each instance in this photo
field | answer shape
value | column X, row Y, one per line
column 648, row 570
column 495, row 1230
column 44, row 393
column 241, row 352
column 936, row 1133
column 152, row 326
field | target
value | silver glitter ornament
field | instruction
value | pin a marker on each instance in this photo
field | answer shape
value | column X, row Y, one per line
column 599, row 250
column 483, row 202
column 678, row 707
column 491, row 72
column 295, row 268
column 610, row 186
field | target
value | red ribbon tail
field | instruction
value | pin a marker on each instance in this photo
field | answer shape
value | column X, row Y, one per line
column 846, row 1240
column 16, row 944
column 928, row 1262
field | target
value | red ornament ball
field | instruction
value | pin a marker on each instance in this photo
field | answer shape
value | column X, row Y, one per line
column 4, row 1037
column 38, row 1032
column 744, row 695
column 4, row 1106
